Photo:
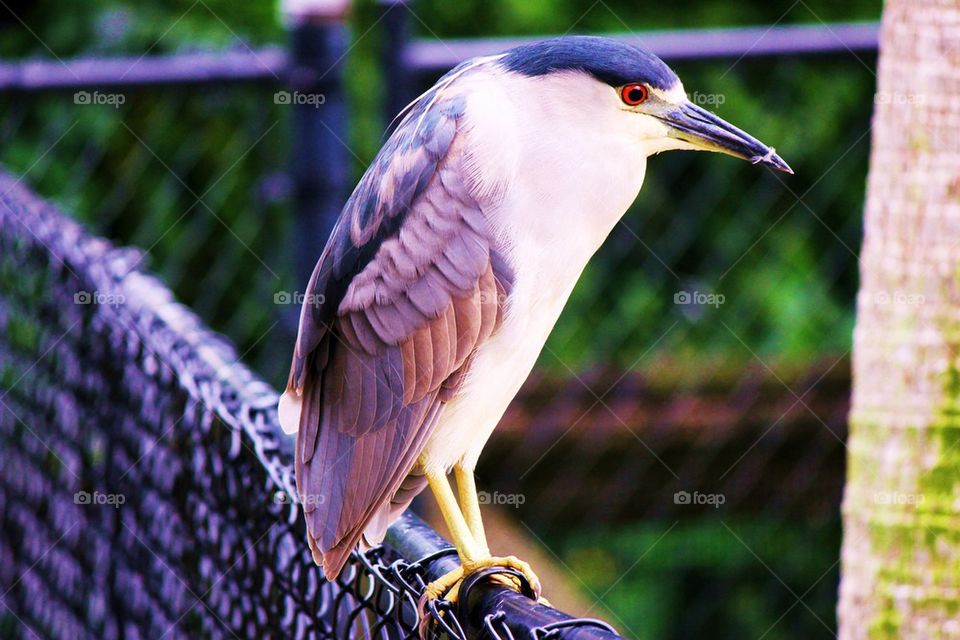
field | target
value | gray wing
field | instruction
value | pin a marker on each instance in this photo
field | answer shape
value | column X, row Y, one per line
column 407, row 288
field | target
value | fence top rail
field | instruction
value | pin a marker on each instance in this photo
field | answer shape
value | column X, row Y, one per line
column 689, row 44
column 269, row 65
column 272, row 64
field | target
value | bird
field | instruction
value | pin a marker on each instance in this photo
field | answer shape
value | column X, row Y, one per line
column 450, row 264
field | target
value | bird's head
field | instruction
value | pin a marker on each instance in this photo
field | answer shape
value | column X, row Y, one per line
column 632, row 87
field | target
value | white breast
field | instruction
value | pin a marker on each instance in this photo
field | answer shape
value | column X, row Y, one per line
column 558, row 177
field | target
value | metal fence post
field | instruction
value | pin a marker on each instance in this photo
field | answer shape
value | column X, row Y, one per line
column 397, row 76
column 320, row 158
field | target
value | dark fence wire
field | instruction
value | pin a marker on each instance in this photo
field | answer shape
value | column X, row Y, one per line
column 157, row 171
column 141, row 190
column 145, row 481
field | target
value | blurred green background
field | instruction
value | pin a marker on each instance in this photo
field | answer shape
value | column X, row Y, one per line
column 781, row 251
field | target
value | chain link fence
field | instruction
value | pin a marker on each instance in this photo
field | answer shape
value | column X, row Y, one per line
column 704, row 351
column 206, row 198
column 147, row 489
column 716, row 259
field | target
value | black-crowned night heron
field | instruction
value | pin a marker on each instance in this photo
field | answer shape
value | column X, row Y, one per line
column 449, row 266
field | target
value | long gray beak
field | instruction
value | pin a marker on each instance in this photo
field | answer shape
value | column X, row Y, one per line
column 706, row 131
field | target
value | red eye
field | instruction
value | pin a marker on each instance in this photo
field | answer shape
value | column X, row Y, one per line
column 633, row 94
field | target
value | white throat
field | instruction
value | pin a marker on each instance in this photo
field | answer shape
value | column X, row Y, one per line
column 554, row 176
column 566, row 163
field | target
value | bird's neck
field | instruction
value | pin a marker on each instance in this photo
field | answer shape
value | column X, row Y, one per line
column 565, row 177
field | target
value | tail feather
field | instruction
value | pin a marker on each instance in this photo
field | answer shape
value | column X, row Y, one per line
column 288, row 411
column 332, row 560
column 388, row 512
column 336, row 465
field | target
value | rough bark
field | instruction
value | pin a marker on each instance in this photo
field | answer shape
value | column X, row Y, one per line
column 901, row 549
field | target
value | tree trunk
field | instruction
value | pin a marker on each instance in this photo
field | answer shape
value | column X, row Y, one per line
column 901, row 548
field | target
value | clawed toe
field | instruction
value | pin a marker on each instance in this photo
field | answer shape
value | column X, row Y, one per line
column 509, row 562
column 447, row 587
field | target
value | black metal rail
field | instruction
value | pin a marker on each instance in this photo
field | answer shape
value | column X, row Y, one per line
column 699, row 44
column 420, row 56
column 183, row 69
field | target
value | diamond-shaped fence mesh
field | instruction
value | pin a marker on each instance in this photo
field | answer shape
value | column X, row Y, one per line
column 704, row 349
column 716, row 259
column 205, row 197
column 680, row 448
column 146, row 485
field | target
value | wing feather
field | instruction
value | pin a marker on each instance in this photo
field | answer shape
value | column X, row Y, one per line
column 406, row 283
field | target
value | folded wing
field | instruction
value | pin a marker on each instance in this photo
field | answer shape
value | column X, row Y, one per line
column 407, row 288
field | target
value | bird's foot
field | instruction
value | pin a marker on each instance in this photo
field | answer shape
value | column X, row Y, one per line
column 508, row 562
column 439, row 587
column 448, row 585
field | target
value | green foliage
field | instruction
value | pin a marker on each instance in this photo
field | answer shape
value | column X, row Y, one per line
column 710, row 578
column 103, row 27
column 193, row 191
column 513, row 17
column 787, row 270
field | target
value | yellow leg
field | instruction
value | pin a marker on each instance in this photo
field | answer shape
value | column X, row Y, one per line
column 470, row 504
column 468, row 536
column 463, row 539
